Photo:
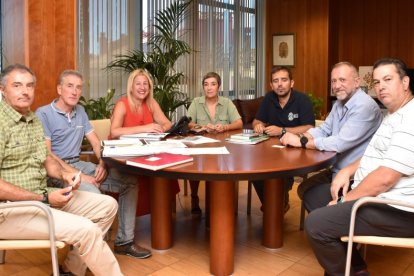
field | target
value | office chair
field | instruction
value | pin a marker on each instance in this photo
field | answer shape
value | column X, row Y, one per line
column 375, row 240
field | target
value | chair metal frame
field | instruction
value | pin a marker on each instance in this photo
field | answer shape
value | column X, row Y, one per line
column 31, row 244
column 376, row 240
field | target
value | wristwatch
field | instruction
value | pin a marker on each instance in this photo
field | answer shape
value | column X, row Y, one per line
column 45, row 198
column 303, row 140
column 282, row 132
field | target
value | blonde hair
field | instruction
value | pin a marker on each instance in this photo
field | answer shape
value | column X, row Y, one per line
column 132, row 103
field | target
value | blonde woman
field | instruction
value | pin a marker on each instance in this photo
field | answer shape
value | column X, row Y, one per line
column 138, row 111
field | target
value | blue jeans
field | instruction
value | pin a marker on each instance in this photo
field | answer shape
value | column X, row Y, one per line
column 123, row 184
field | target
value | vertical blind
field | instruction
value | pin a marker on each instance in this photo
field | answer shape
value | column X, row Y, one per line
column 222, row 33
column 104, row 31
column 227, row 45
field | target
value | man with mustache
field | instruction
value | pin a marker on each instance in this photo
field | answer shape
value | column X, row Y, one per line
column 385, row 170
column 353, row 120
column 81, row 218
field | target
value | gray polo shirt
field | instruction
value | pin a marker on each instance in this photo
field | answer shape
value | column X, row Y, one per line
column 65, row 131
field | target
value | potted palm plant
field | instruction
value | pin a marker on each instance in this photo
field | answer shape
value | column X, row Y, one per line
column 165, row 48
column 101, row 108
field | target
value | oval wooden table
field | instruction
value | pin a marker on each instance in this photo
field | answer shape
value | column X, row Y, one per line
column 245, row 162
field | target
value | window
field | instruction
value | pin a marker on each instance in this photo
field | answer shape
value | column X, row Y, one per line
column 223, row 33
column 106, row 28
column 227, row 44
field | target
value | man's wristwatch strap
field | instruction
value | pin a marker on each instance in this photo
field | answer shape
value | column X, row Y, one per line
column 283, row 132
column 45, row 198
column 303, row 140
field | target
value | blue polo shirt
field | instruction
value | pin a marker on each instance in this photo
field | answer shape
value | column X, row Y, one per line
column 297, row 112
column 65, row 131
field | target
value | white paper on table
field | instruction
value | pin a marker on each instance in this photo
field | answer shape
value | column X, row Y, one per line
column 144, row 135
column 128, row 151
column 194, row 151
column 196, row 140
column 166, row 144
column 121, row 142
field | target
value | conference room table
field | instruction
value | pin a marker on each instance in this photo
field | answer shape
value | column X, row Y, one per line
column 262, row 161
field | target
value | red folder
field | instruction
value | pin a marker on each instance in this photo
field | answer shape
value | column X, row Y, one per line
column 159, row 161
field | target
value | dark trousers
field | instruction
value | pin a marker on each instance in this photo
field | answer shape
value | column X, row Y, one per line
column 327, row 224
column 259, row 187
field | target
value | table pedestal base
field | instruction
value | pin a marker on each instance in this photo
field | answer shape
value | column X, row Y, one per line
column 161, row 213
column 273, row 213
column 222, row 227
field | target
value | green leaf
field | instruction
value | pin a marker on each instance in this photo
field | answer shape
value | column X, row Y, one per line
column 100, row 108
column 165, row 49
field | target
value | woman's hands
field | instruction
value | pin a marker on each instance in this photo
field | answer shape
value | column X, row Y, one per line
column 216, row 128
column 153, row 127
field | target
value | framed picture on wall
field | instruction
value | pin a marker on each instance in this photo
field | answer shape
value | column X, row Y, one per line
column 284, row 49
column 365, row 74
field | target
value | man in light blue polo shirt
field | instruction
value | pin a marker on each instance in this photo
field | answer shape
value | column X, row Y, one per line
column 65, row 123
column 352, row 122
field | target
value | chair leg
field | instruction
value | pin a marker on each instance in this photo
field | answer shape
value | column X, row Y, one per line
column 362, row 248
column 185, row 187
column 207, row 204
column 302, row 216
column 2, row 256
column 174, row 205
column 236, row 197
column 249, row 197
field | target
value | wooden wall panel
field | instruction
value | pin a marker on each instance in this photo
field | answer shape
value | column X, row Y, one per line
column 309, row 20
column 375, row 29
column 51, row 49
column 330, row 31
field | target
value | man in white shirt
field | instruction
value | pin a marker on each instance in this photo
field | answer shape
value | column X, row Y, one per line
column 385, row 170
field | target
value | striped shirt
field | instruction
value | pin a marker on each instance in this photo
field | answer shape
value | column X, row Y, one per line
column 392, row 146
column 22, row 150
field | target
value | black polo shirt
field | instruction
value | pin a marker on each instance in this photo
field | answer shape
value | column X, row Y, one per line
column 297, row 112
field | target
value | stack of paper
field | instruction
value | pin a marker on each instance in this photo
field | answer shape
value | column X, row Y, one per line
column 119, row 143
column 247, row 138
column 151, row 136
column 128, row 151
column 195, row 140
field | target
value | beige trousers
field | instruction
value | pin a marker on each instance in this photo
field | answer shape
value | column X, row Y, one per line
column 82, row 223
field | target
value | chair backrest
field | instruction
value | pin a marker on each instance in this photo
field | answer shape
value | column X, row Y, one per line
column 247, row 110
column 30, row 244
column 102, row 128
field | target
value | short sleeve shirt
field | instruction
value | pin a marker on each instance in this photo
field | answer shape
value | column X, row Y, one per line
column 22, row 150
column 65, row 131
column 297, row 112
column 392, row 146
column 226, row 111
